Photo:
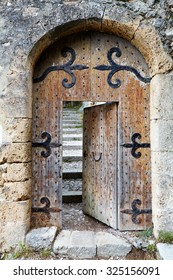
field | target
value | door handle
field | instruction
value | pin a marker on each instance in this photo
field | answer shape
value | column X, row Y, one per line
column 97, row 157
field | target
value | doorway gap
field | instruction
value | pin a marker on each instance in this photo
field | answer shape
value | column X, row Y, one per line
column 73, row 217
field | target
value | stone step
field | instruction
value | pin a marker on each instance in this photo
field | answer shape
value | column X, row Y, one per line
column 89, row 244
column 72, row 145
column 67, row 130
column 74, row 117
column 72, row 113
column 72, row 148
column 71, row 185
column 72, row 153
column 71, row 158
column 72, row 174
column 72, row 121
column 73, row 137
column 75, row 166
column 72, row 125
column 73, row 197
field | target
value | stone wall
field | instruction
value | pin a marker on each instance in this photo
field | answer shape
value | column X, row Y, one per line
column 27, row 28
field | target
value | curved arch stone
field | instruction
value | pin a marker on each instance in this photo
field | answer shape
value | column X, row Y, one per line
column 109, row 19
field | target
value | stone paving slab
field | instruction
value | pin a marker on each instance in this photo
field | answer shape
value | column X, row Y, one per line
column 61, row 243
column 41, row 238
column 165, row 251
column 82, row 245
column 109, row 245
column 89, row 244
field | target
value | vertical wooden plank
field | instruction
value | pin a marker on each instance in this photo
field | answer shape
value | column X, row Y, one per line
column 80, row 44
column 100, row 45
column 47, row 177
column 99, row 174
column 134, row 173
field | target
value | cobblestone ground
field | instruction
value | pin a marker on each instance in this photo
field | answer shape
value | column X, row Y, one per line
column 75, row 219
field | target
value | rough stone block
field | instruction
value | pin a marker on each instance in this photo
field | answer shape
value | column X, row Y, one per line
column 161, row 135
column 162, row 163
column 16, row 191
column 17, row 130
column 109, row 245
column 165, row 251
column 162, row 219
column 15, row 211
column 18, row 172
column 148, row 42
column 19, row 152
column 161, row 97
column 82, row 245
column 16, row 152
column 41, row 238
column 13, row 233
column 62, row 242
column 119, row 21
column 3, row 171
column 162, row 192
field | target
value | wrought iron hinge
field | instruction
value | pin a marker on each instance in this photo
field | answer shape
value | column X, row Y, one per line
column 45, row 209
column 114, row 68
column 46, row 144
column 68, row 67
column 135, row 145
column 135, row 211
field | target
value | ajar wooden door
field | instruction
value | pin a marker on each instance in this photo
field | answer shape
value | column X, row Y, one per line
column 97, row 67
column 100, row 163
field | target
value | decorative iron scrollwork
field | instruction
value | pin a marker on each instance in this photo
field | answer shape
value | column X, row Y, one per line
column 114, row 68
column 135, row 145
column 136, row 212
column 45, row 209
column 46, row 144
column 68, row 68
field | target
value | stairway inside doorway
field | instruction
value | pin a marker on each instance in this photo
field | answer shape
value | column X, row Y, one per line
column 73, row 217
column 72, row 151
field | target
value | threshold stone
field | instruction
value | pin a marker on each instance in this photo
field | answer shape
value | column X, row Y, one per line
column 41, row 238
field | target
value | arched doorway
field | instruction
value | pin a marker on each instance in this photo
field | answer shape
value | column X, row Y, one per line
column 93, row 66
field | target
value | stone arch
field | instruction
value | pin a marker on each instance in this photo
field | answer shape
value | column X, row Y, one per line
column 147, row 41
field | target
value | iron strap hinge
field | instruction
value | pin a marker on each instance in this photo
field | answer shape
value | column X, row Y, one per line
column 46, row 144
column 135, row 145
column 45, row 209
column 135, row 211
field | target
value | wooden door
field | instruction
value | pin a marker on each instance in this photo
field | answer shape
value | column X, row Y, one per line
column 134, row 166
column 97, row 67
column 100, row 163
column 47, row 155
